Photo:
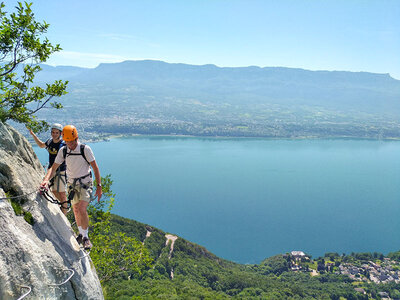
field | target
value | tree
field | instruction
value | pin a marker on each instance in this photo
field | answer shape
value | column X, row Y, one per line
column 114, row 254
column 22, row 49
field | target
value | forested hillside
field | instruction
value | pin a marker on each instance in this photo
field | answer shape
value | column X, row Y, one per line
column 190, row 271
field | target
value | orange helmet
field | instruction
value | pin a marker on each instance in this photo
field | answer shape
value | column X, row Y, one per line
column 69, row 133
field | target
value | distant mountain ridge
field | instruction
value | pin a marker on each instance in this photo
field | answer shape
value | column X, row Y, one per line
column 249, row 95
column 160, row 69
column 150, row 66
column 274, row 84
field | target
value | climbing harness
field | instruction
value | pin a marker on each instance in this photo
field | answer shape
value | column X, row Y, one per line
column 44, row 191
column 79, row 179
column 72, row 188
column 27, row 293
column 59, row 178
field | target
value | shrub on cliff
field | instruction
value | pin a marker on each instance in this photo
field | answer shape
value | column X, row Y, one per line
column 115, row 255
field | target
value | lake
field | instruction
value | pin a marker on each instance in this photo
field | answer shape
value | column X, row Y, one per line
column 248, row 199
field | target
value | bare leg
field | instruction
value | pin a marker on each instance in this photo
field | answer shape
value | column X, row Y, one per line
column 62, row 197
column 81, row 215
column 76, row 214
column 56, row 194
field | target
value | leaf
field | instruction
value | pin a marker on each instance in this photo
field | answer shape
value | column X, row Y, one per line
column 22, row 44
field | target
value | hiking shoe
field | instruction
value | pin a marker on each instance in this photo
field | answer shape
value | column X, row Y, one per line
column 87, row 245
column 79, row 239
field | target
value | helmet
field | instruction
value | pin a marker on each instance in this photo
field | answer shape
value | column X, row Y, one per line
column 57, row 126
column 69, row 133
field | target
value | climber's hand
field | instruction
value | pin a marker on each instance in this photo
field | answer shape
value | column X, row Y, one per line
column 44, row 184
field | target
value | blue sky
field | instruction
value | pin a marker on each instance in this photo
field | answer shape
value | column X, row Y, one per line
column 349, row 35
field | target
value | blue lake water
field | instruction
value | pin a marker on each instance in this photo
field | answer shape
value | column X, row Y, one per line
column 248, row 199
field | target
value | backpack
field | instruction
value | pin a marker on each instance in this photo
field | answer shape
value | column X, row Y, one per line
column 47, row 143
column 82, row 152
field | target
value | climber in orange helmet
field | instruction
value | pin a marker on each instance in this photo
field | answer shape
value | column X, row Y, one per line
column 79, row 158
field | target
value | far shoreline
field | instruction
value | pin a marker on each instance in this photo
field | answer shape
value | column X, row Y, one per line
column 107, row 138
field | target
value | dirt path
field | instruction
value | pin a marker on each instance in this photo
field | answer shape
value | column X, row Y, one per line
column 171, row 238
column 148, row 233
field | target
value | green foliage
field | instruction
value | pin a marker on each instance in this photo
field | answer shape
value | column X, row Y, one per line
column 362, row 256
column 29, row 218
column 17, row 208
column 394, row 255
column 161, row 289
column 115, row 254
column 276, row 264
column 102, row 209
column 118, row 256
column 130, row 227
column 21, row 50
column 19, row 211
column 198, row 274
column 155, row 243
column 332, row 255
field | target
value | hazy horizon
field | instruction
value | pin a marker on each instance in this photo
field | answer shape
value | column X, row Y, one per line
column 356, row 36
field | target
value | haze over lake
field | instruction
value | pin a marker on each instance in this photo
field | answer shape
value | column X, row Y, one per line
column 248, row 199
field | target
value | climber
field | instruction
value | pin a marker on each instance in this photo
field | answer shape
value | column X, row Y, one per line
column 52, row 145
column 79, row 158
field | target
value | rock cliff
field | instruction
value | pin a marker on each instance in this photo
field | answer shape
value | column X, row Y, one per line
column 38, row 250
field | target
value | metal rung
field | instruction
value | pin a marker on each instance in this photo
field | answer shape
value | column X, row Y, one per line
column 85, row 255
column 58, row 284
column 27, row 293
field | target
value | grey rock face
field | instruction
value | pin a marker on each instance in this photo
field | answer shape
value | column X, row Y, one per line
column 44, row 254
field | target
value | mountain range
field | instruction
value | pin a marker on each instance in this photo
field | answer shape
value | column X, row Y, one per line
column 156, row 97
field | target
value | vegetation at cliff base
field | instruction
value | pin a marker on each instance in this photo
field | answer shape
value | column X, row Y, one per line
column 117, row 255
column 16, row 204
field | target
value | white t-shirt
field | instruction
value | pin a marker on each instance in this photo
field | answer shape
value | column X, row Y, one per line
column 76, row 164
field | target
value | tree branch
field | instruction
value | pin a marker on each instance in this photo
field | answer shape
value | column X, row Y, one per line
column 42, row 106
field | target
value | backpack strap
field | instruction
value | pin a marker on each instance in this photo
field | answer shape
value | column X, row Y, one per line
column 65, row 152
column 47, row 143
column 82, row 152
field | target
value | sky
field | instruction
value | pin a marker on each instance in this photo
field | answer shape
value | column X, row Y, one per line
column 345, row 35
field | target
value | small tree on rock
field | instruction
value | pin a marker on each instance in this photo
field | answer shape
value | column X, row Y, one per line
column 114, row 254
column 22, row 49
